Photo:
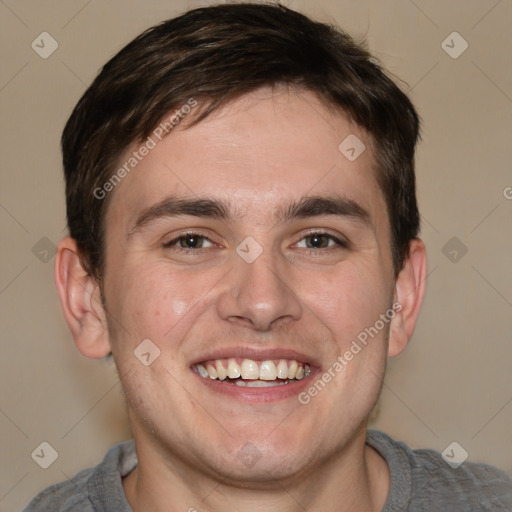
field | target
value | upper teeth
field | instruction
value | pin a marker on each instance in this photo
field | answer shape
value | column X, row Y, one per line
column 253, row 370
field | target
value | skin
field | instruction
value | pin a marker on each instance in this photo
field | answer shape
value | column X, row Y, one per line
column 258, row 153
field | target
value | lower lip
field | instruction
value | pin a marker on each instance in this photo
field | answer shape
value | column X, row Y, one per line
column 257, row 395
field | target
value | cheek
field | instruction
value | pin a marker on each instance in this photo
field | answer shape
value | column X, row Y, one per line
column 159, row 303
column 149, row 301
column 180, row 307
column 348, row 301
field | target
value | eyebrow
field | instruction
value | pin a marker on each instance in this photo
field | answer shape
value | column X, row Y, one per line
column 316, row 206
column 305, row 207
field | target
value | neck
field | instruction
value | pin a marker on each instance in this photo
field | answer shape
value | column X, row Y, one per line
column 356, row 479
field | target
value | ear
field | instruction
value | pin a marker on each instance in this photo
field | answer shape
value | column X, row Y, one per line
column 409, row 291
column 81, row 303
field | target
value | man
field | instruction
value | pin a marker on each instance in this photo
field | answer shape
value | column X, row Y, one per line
column 243, row 239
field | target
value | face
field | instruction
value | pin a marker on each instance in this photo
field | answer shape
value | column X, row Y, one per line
column 250, row 243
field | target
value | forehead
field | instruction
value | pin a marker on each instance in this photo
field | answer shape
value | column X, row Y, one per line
column 254, row 153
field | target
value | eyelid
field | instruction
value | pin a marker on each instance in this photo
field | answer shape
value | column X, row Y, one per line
column 185, row 233
column 338, row 238
column 340, row 241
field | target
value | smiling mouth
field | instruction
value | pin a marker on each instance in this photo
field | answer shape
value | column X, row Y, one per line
column 254, row 374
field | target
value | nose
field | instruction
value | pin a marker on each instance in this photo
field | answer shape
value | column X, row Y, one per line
column 258, row 294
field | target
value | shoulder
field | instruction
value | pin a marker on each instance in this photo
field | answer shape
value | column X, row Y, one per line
column 100, row 484
column 70, row 495
column 423, row 480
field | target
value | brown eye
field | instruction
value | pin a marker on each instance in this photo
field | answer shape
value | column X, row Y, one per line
column 320, row 241
column 190, row 241
column 317, row 241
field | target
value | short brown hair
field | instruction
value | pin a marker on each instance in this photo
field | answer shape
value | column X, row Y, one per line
column 216, row 54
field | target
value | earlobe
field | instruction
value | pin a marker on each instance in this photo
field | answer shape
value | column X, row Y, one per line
column 81, row 303
column 409, row 291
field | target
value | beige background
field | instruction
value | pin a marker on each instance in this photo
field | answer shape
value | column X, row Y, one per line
column 454, row 382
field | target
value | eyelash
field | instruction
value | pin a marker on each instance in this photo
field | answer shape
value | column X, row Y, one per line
column 172, row 243
column 342, row 244
column 169, row 244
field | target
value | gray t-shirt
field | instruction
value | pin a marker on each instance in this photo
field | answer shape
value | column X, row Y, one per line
column 421, row 481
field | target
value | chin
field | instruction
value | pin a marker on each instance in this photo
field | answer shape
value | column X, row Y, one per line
column 263, row 470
